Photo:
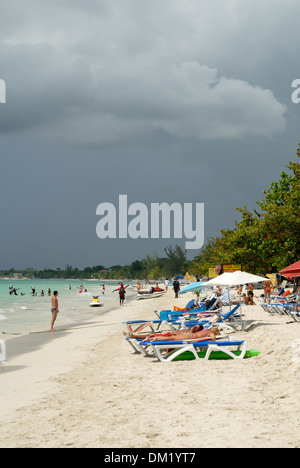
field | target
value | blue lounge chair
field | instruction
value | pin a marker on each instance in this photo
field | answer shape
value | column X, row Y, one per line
column 154, row 326
column 231, row 317
column 163, row 314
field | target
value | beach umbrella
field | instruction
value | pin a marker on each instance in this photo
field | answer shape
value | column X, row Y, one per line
column 242, row 277
column 191, row 287
column 235, row 279
column 291, row 271
column 222, row 280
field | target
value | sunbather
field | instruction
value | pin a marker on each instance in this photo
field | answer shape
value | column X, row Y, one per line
column 248, row 299
column 224, row 298
column 296, row 302
column 184, row 334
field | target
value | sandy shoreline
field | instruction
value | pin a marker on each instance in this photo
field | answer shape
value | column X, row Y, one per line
column 85, row 388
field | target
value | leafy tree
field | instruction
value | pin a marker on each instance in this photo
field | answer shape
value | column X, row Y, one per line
column 263, row 241
column 176, row 260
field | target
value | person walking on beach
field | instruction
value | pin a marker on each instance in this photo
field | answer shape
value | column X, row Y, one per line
column 122, row 293
column 176, row 287
column 268, row 288
column 54, row 309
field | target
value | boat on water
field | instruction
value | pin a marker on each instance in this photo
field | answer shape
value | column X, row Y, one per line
column 96, row 302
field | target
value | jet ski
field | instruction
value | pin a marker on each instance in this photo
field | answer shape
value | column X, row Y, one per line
column 96, row 302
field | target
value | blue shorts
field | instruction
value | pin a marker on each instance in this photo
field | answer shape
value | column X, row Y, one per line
column 53, row 310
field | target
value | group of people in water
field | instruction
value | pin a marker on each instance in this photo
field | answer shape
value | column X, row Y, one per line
column 13, row 292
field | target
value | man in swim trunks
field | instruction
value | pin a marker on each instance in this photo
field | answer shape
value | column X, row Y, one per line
column 268, row 288
column 196, row 332
column 54, row 309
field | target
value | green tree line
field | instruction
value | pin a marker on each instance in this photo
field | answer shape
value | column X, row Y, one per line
column 152, row 267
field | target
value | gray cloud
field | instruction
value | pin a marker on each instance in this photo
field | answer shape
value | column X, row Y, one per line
column 101, row 73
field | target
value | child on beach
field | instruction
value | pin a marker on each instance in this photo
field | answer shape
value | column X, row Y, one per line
column 54, row 309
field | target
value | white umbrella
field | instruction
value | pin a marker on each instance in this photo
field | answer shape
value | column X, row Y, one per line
column 234, row 279
column 223, row 280
column 241, row 277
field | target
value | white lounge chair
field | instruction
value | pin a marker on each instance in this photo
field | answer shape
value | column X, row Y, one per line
column 146, row 348
column 187, row 350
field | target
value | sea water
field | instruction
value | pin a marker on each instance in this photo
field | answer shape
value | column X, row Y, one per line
column 28, row 313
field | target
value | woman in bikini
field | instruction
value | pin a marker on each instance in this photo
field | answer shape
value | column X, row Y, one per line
column 268, row 288
column 196, row 332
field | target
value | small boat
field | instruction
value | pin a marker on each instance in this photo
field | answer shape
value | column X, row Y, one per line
column 96, row 302
column 149, row 294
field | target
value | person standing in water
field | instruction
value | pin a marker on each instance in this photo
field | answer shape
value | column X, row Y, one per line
column 54, row 309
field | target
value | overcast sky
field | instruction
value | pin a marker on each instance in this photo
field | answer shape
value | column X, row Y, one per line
column 183, row 101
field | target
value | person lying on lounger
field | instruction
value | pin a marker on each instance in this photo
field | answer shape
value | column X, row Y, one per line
column 184, row 334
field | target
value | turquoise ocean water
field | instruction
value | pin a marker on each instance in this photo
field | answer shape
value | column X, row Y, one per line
column 23, row 314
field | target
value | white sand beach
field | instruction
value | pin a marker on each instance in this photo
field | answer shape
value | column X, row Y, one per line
column 85, row 388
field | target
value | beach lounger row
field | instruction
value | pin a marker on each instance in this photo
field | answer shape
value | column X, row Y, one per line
column 157, row 326
column 232, row 318
column 279, row 299
column 228, row 322
column 199, row 349
column 165, row 314
column 282, row 309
